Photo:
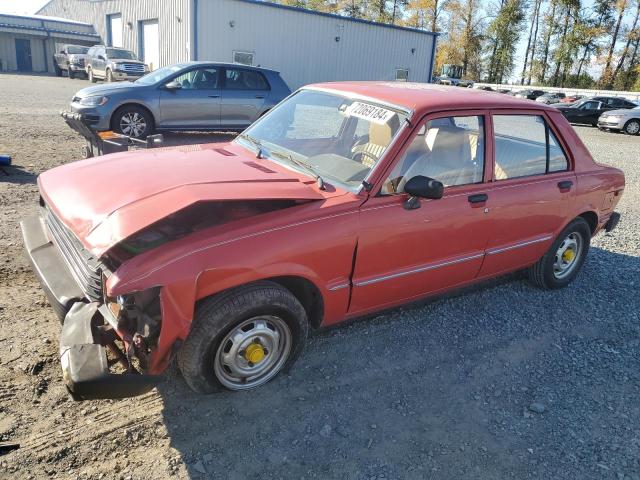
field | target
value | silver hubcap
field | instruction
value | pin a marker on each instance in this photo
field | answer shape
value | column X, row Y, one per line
column 132, row 124
column 633, row 128
column 252, row 353
column 567, row 255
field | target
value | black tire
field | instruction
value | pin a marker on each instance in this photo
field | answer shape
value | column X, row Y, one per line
column 118, row 125
column 109, row 76
column 57, row 69
column 541, row 273
column 632, row 127
column 215, row 317
column 71, row 74
column 90, row 76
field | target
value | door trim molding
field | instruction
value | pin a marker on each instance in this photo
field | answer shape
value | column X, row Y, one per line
column 424, row 268
column 494, row 251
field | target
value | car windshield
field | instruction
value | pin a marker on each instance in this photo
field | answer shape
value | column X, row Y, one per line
column 326, row 135
column 120, row 53
column 159, row 75
column 76, row 49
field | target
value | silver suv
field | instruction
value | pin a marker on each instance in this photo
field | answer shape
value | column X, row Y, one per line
column 113, row 64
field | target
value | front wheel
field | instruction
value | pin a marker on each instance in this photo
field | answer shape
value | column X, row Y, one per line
column 90, row 76
column 133, row 121
column 632, row 127
column 109, row 75
column 562, row 262
column 243, row 338
column 71, row 74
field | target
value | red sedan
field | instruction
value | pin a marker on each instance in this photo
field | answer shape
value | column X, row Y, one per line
column 345, row 199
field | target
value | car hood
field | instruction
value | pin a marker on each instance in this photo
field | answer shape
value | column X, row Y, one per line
column 106, row 199
column 106, row 89
column 125, row 60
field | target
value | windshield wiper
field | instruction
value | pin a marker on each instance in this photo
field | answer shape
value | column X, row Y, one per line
column 255, row 142
column 305, row 166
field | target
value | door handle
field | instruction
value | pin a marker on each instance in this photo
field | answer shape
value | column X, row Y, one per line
column 478, row 198
column 565, row 185
column 214, row 96
column 259, row 96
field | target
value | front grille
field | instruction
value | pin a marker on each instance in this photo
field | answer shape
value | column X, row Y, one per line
column 132, row 67
column 86, row 269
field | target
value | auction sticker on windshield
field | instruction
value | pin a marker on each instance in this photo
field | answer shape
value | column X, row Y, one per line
column 369, row 112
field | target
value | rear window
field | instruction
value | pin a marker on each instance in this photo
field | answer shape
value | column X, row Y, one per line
column 525, row 146
column 240, row 79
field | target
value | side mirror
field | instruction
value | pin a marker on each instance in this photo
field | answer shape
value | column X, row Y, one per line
column 174, row 85
column 422, row 187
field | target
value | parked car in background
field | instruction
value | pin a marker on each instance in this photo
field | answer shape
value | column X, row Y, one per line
column 70, row 59
column 625, row 120
column 550, row 97
column 186, row 96
column 346, row 199
column 588, row 110
column 529, row 94
column 505, row 91
column 113, row 64
column 572, row 98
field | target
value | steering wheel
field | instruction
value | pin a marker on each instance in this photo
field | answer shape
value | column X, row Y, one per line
column 359, row 157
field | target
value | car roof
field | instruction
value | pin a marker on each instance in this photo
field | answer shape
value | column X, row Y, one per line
column 427, row 97
column 226, row 64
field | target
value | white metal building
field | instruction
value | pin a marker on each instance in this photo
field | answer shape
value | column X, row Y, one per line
column 304, row 46
column 27, row 43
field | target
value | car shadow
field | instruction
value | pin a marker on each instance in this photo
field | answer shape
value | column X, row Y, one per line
column 17, row 174
column 418, row 392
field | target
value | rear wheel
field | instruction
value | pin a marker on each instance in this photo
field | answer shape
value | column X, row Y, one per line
column 57, row 69
column 243, row 338
column 71, row 74
column 560, row 265
column 632, row 127
column 133, row 121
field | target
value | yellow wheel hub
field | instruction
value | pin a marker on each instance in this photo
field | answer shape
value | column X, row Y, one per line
column 254, row 353
column 568, row 255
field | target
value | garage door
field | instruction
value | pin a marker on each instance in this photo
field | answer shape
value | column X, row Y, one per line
column 150, row 44
column 115, row 30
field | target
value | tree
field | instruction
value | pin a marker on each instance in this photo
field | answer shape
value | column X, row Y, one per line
column 630, row 37
column 531, row 41
column 504, row 30
column 606, row 80
column 426, row 14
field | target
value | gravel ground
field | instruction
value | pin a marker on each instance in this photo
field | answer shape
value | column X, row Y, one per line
column 501, row 381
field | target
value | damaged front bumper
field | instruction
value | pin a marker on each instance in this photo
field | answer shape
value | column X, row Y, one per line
column 83, row 353
column 85, row 366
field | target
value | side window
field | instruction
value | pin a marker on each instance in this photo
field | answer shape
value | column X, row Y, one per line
column 199, row 79
column 589, row 106
column 448, row 149
column 237, row 79
column 525, row 146
column 557, row 159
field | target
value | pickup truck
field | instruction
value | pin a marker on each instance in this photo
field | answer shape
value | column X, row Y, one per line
column 72, row 59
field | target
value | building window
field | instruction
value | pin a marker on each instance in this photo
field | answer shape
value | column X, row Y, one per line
column 402, row 74
column 243, row 58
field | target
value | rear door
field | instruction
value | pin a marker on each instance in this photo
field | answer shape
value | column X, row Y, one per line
column 243, row 96
column 196, row 104
column 530, row 193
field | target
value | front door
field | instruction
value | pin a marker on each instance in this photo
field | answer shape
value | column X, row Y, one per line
column 529, row 197
column 150, row 44
column 407, row 253
column 23, row 55
column 588, row 112
column 243, row 97
column 196, row 104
